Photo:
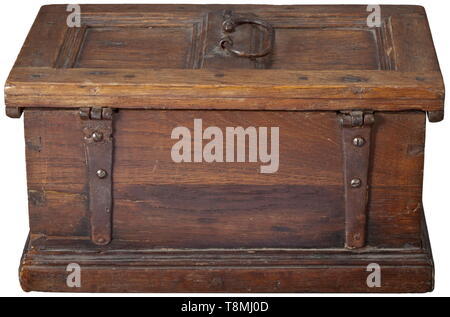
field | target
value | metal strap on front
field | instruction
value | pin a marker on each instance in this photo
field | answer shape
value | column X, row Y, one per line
column 97, row 129
column 356, row 135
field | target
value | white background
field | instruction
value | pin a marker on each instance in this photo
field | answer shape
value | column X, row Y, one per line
column 16, row 19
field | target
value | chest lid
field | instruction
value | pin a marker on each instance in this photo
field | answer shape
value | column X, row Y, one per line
column 242, row 57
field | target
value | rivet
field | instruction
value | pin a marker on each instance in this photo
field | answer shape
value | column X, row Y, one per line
column 355, row 182
column 101, row 173
column 359, row 141
column 228, row 26
column 97, row 136
column 100, row 240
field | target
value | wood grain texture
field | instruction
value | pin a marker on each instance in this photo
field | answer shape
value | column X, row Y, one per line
column 160, row 47
column 226, row 227
column 43, row 268
column 340, row 49
column 46, row 87
column 229, row 216
column 46, row 36
column 73, row 41
column 148, row 186
column 152, row 54
column 333, row 279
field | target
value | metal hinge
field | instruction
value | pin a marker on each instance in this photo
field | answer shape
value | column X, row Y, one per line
column 354, row 119
column 97, row 125
column 356, row 141
column 96, row 113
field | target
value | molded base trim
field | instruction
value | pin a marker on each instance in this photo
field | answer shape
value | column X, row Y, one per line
column 115, row 269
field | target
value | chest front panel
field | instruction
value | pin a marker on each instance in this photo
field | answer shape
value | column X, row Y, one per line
column 200, row 204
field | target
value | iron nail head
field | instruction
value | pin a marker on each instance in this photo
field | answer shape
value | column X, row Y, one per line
column 101, row 173
column 355, row 182
column 97, row 136
column 359, row 141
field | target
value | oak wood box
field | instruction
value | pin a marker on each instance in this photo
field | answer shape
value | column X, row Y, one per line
column 226, row 148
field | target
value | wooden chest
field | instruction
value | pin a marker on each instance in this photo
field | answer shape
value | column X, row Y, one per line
column 226, row 148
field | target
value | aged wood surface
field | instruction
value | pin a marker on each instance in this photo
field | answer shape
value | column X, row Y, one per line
column 123, row 267
column 222, row 226
column 181, row 204
column 332, row 279
column 148, row 57
column 274, row 91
